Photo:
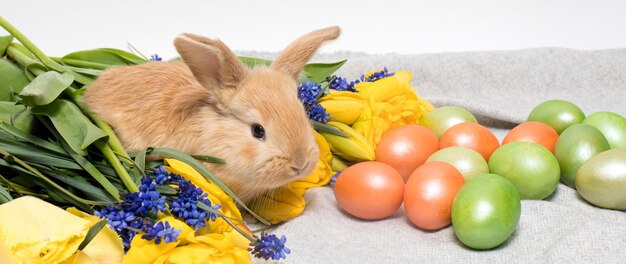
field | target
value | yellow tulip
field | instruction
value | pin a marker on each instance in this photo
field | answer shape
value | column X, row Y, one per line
column 354, row 148
column 389, row 102
column 34, row 231
column 287, row 202
column 189, row 248
column 344, row 107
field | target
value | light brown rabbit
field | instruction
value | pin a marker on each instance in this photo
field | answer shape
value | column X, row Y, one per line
column 211, row 104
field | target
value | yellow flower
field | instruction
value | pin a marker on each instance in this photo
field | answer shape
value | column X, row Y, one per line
column 344, row 107
column 354, row 148
column 34, row 231
column 389, row 102
column 287, row 201
column 216, row 195
column 227, row 247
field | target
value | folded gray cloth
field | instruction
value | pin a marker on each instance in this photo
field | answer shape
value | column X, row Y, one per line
column 500, row 88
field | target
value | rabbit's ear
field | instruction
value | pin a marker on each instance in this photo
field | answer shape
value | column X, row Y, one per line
column 212, row 63
column 300, row 51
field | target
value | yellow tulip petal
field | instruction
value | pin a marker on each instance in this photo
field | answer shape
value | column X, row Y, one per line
column 390, row 102
column 146, row 251
column 279, row 205
column 346, row 112
column 5, row 252
column 106, row 246
column 39, row 232
column 81, row 257
column 403, row 76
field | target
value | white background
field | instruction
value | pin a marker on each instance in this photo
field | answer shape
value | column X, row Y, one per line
column 62, row 26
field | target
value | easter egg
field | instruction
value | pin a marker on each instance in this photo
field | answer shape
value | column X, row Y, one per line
column 369, row 190
column 601, row 180
column 471, row 135
column 559, row 114
column 442, row 118
column 407, row 147
column 486, row 211
column 535, row 132
column 429, row 193
column 530, row 167
column 469, row 162
column 612, row 126
column 577, row 144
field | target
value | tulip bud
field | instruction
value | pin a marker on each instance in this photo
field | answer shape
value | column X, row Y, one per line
column 344, row 107
column 354, row 148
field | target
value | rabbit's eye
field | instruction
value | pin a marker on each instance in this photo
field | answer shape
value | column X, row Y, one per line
column 258, row 131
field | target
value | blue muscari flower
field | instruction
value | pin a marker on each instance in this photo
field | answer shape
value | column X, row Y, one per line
column 155, row 57
column 333, row 179
column 148, row 201
column 161, row 176
column 377, row 75
column 341, row 84
column 185, row 206
column 162, row 231
column 309, row 92
column 318, row 113
column 270, row 247
column 124, row 223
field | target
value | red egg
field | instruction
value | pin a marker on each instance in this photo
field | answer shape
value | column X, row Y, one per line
column 471, row 135
column 535, row 132
column 369, row 190
column 406, row 148
column 429, row 193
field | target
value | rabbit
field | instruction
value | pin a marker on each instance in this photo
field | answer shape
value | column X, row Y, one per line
column 212, row 104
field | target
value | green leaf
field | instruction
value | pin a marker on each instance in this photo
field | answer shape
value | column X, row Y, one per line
column 88, row 73
column 321, row 127
column 4, row 195
column 28, row 137
column 12, row 80
column 75, row 128
column 79, row 183
column 45, row 88
column 196, row 165
column 84, row 64
column 33, row 154
column 254, row 62
column 93, row 231
column 4, row 44
column 317, row 72
column 208, row 159
column 104, row 56
column 93, row 171
column 167, row 190
column 140, row 159
column 18, row 116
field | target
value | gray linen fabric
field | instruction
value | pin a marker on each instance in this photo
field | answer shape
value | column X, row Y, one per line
column 500, row 88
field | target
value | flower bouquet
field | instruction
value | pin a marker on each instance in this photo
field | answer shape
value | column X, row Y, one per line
column 70, row 192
